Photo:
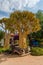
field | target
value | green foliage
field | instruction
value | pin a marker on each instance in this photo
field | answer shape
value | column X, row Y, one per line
column 39, row 37
column 38, row 34
column 39, row 15
column 1, row 34
column 4, row 49
column 37, row 51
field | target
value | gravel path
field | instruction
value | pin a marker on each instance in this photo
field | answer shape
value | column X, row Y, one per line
column 26, row 60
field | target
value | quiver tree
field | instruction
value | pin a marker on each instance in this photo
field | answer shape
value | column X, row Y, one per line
column 25, row 22
column 4, row 24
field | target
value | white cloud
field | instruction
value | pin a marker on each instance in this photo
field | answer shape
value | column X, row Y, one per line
column 32, row 3
column 2, row 16
column 9, row 5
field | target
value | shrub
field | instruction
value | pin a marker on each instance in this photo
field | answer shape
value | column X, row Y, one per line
column 37, row 51
column 4, row 49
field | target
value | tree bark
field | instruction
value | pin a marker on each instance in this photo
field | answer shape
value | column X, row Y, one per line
column 7, row 38
column 22, row 40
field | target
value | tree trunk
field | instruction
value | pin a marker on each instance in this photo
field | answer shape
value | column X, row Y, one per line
column 7, row 38
column 22, row 40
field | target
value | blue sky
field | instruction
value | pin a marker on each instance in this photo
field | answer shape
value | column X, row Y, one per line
column 8, row 6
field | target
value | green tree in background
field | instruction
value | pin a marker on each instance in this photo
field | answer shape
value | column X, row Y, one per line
column 39, row 15
column 39, row 34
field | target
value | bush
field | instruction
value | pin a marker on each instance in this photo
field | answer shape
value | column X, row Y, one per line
column 0, row 50
column 40, row 42
column 37, row 51
column 4, row 50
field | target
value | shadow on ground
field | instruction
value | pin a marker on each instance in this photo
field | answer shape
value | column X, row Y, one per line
column 2, row 58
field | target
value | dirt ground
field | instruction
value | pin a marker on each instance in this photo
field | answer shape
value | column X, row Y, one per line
column 25, row 60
